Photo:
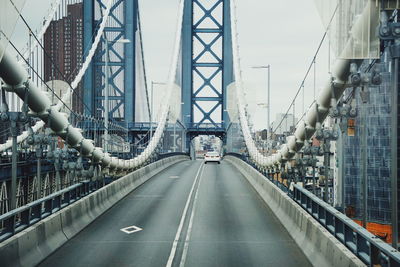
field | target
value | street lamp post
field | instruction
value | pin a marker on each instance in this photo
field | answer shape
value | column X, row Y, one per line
column 151, row 106
column 268, row 94
column 106, row 89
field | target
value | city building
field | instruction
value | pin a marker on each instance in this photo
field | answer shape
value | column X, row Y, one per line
column 63, row 45
column 283, row 123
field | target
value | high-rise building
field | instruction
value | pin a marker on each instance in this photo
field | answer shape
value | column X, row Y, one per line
column 63, row 43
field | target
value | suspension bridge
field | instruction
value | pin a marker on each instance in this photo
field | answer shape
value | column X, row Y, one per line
column 90, row 175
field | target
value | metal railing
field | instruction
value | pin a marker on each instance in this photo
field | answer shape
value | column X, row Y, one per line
column 368, row 247
column 141, row 125
column 21, row 218
column 217, row 126
column 171, row 154
column 239, row 156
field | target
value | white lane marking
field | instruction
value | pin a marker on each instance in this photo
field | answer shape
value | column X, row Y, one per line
column 189, row 231
column 174, row 177
column 178, row 233
column 131, row 229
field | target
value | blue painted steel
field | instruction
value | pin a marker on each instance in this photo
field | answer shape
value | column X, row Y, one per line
column 26, row 168
column 40, row 209
column 216, row 129
column 88, row 17
column 131, row 22
column 207, row 32
column 206, row 57
column 121, row 24
column 187, row 63
column 227, row 77
column 187, row 73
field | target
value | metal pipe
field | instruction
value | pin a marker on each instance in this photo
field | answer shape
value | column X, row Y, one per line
column 16, row 79
column 342, row 168
column 394, row 147
column 106, row 99
column 13, row 197
column 318, row 112
column 39, row 174
column 363, row 149
column 58, row 178
column 327, row 152
column 313, row 175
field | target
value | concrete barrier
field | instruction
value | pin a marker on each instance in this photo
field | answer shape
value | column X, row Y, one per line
column 319, row 246
column 31, row 246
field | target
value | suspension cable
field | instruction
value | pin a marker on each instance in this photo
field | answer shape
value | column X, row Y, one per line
column 307, row 72
column 79, row 76
column 50, row 58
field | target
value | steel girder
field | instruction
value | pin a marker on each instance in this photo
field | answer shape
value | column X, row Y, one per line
column 122, row 24
column 207, row 64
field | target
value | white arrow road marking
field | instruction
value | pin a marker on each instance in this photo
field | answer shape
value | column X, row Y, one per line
column 174, row 177
column 131, row 229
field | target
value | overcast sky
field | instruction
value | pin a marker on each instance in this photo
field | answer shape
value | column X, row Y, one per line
column 284, row 34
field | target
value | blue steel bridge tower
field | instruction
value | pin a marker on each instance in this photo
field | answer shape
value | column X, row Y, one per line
column 122, row 24
column 207, row 66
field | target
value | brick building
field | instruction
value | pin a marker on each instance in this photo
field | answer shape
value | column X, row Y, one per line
column 63, row 43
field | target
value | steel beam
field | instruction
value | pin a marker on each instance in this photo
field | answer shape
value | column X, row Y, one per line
column 227, row 77
column 187, row 75
column 131, row 22
column 211, row 63
column 13, row 191
column 88, row 18
column 394, row 149
column 121, row 25
column 336, row 85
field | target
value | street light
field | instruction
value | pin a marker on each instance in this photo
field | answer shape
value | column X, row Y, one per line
column 151, row 106
column 262, row 105
column 268, row 94
column 106, row 88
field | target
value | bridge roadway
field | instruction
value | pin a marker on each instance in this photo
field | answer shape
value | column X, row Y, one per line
column 192, row 214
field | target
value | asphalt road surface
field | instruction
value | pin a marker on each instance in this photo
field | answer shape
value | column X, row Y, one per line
column 191, row 214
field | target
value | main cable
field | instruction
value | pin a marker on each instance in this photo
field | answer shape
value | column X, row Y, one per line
column 49, row 57
column 307, row 72
column 77, row 79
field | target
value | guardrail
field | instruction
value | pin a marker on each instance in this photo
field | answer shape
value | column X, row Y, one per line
column 369, row 248
column 142, row 125
column 206, row 126
column 21, row 218
column 237, row 155
column 171, row 154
